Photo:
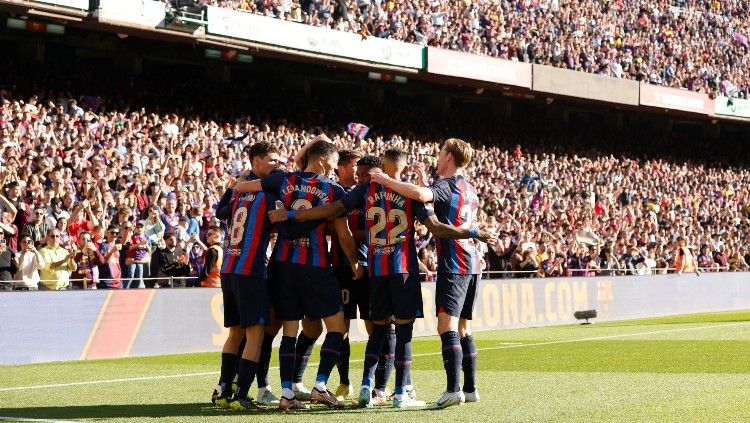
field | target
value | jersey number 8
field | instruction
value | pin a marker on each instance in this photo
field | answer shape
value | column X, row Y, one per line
column 238, row 226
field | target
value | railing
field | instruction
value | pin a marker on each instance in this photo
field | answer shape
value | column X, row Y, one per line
column 171, row 282
column 181, row 282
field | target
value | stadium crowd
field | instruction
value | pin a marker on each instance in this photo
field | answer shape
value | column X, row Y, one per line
column 698, row 45
column 97, row 189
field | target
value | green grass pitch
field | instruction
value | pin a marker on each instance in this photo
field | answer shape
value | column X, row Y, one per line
column 679, row 369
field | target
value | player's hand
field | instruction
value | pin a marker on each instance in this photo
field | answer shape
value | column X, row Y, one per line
column 420, row 173
column 359, row 271
column 377, row 176
column 487, row 237
column 322, row 137
column 278, row 215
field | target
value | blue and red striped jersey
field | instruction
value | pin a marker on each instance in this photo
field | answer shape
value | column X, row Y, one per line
column 456, row 204
column 248, row 234
column 389, row 230
column 303, row 190
column 356, row 219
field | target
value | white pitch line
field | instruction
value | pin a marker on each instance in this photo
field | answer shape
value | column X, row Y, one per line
column 506, row 345
column 22, row 419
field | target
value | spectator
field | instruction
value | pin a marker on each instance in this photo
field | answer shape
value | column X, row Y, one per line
column 173, row 264
column 37, row 227
column 55, row 213
column 30, row 262
column 110, row 272
column 136, row 257
column 210, row 271
column 88, row 259
column 528, row 265
column 8, row 265
column 59, row 263
column 81, row 220
column 8, row 230
column 154, row 227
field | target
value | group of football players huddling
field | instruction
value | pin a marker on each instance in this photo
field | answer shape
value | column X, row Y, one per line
column 343, row 247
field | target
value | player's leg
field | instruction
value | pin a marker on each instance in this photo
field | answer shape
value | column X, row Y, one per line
column 469, row 361
column 288, row 309
column 311, row 330
column 406, row 295
column 381, row 309
column 322, row 300
column 344, row 277
column 229, row 356
column 251, row 295
column 248, row 368
column 385, row 366
column 265, row 394
column 450, row 294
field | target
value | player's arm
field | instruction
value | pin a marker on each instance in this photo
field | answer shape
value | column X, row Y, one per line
column 415, row 192
column 248, row 186
column 224, row 208
column 441, row 230
column 328, row 211
column 324, row 212
column 346, row 240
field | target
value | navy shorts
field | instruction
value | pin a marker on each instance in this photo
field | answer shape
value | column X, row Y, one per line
column 246, row 301
column 455, row 294
column 399, row 296
column 304, row 291
column 354, row 294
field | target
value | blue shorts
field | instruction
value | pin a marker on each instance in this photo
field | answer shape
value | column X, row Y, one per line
column 455, row 294
column 354, row 294
column 398, row 295
column 304, row 291
column 246, row 301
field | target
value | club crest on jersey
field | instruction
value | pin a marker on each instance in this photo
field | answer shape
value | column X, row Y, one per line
column 250, row 197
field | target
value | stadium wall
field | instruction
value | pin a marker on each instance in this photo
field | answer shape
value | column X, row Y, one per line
column 77, row 325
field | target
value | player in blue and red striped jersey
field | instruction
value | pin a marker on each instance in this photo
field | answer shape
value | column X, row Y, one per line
column 393, row 267
column 245, row 287
column 304, row 284
column 456, row 204
column 355, row 294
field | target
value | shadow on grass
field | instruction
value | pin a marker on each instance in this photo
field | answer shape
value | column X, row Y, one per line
column 160, row 410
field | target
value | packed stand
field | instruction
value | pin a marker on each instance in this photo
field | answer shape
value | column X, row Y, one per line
column 697, row 45
column 124, row 197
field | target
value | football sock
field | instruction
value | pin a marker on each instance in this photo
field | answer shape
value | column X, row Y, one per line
column 469, row 363
column 263, row 362
column 452, row 355
column 303, row 349
column 343, row 362
column 286, row 364
column 240, row 349
column 245, row 377
column 372, row 352
column 229, row 363
column 385, row 361
column 403, row 355
column 329, row 355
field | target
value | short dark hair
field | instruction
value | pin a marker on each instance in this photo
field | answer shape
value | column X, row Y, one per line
column 320, row 149
column 370, row 161
column 347, row 156
column 261, row 149
column 396, row 155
